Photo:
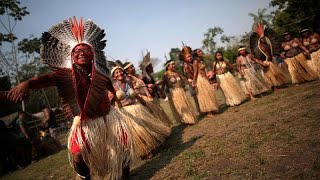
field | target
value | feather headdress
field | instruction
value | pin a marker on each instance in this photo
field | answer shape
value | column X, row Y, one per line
column 56, row 50
column 145, row 62
column 186, row 51
column 264, row 43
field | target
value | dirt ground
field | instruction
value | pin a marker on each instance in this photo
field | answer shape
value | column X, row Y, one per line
column 274, row 137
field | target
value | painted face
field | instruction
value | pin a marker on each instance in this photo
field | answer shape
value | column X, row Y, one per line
column 219, row 56
column 118, row 74
column 149, row 68
column 82, row 54
column 131, row 70
column 243, row 52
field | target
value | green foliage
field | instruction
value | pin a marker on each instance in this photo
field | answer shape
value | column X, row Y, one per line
column 293, row 15
column 37, row 97
column 174, row 55
column 29, row 46
column 208, row 59
column 261, row 17
column 209, row 43
column 158, row 75
column 12, row 9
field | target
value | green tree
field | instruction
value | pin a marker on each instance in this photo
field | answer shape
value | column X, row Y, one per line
column 12, row 11
column 292, row 15
column 174, row 55
column 262, row 17
column 209, row 43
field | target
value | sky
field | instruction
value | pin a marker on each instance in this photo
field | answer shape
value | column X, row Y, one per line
column 132, row 26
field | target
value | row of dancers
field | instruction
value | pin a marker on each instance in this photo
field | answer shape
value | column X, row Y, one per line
column 116, row 121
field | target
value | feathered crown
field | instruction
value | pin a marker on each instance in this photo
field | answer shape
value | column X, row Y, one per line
column 186, row 51
column 57, row 44
column 145, row 61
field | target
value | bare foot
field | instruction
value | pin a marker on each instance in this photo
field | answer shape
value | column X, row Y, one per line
column 253, row 99
column 210, row 115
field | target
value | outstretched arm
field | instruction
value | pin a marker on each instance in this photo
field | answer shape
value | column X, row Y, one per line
column 21, row 91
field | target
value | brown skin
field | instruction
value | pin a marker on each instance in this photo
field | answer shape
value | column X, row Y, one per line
column 82, row 56
column 240, row 68
column 219, row 58
column 131, row 71
column 307, row 36
column 22, row 128
column 120, row 77
column 171, row 69
column 46, row 113
column 292, row 51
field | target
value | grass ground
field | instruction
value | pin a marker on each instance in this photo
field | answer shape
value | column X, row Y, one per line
column 274, row 137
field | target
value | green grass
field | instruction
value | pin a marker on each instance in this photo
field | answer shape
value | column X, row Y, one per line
column 274, row 137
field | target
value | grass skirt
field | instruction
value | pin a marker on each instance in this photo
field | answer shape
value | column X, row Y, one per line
column 231, row 89
column 315, row 61
column 148, row 132
column 299, row 70
column 157, row 110
column 252, row 82
column 206, row 95
column 106, row 144
column 273, row 75
column 181, row 107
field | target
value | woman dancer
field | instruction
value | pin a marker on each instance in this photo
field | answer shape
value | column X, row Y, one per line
column 264, row 46
column 297, row 64
column 148, row 132
column 228, row 84
column 154, row 90
column 142, row 90
column 206, row 95
column 312, row 42
column 181, row 107
column 250, row 82
column 99, row 141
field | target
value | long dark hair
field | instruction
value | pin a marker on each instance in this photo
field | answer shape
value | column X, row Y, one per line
column 195, row 55
column 215, row 55
column 215, row 64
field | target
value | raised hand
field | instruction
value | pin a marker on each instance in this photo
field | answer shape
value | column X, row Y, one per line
column 260, row 30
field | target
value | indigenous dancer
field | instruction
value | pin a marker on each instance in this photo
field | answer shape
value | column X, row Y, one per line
column 141, row 89
column 297, row 64
column 148, row 132
column 231, row 89
column 154, row 90
column 264, row 46
column 250, row 82
column 99, row 141
column 205, row 93
column 312, row 42
column 181, row 107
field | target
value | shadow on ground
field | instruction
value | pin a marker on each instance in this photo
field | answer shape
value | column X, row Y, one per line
column 171, row 148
